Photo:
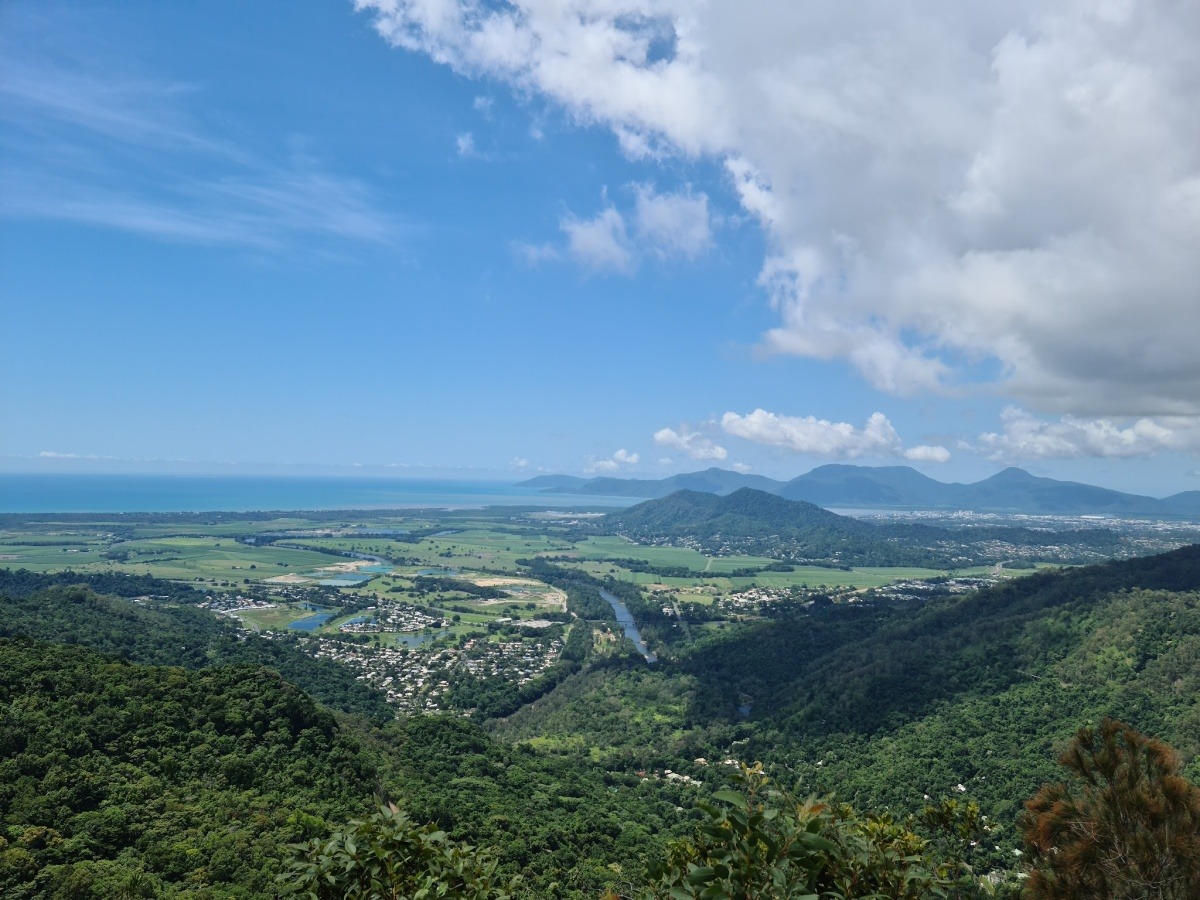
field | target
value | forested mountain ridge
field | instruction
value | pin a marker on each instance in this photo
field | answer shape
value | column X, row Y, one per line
column 884, row 703
column 63, row 608
column 840, row 485
column 125, row 780
column 755, row 522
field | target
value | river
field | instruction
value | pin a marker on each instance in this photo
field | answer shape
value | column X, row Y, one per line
column 625, row 619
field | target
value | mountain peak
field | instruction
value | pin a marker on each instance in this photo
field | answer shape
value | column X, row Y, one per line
column 1012, row 473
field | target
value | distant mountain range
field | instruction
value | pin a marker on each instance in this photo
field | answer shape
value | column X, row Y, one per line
column 895, row 487
column 754, row 522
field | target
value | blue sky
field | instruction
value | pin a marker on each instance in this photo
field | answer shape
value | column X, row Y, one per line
column 309, row 237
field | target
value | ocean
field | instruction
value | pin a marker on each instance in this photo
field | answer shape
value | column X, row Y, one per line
column 59, row 493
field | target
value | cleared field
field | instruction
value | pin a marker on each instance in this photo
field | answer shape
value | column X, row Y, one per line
column 175, row 558
column 466, row 548
column 604, row 547
column 276, row 619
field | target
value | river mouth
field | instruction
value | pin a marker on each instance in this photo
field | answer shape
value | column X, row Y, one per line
column 625, row 620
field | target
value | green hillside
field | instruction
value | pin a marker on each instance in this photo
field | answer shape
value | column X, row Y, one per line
column 64, row 608
column 884, row 704
column 753, row 522
column 125, row 779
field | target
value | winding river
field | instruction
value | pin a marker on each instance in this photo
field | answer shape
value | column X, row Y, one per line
column 625, row 619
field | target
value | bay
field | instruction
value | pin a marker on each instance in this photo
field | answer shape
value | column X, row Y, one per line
column 63, row 493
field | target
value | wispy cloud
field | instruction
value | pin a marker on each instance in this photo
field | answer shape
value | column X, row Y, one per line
column 601, row 242
column 661, row 226
column 127, row 152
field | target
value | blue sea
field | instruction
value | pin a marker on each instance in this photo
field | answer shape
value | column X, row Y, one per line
column 244, row 493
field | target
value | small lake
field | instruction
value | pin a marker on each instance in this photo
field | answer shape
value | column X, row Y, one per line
column 344, row 580
column 313, row 622
column 358, row 620
column 625, row 620
column 377, row 569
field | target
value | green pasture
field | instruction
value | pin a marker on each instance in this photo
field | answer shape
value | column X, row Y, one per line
column 803, row 576
column 276, row 619
column 52, row 558
column 468, row 547
column 175, row 558
column 612, row 546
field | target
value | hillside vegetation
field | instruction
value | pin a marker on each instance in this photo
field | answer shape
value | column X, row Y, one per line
column 138, row 779
column 749, row 521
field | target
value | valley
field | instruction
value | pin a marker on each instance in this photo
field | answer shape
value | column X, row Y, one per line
column 649, row 651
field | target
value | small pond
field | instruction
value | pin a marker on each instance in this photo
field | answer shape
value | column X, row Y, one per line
column 313, row 622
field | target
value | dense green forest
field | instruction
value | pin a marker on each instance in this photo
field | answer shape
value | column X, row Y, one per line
column 67, row 609
column 147, row 749
column 165, row 782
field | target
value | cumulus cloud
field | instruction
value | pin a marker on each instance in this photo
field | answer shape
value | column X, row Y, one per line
column 519, row 462
column 691, row 442
column 811, row 436
column 1025, row 436
column 613, row 464
column 927, row 453
column 1006, row 191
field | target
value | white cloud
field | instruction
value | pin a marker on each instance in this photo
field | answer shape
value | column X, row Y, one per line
column 599, row 243
column 1024, row 436
column 672, row 224
column 693, row 443
column 519, row 462
column 927, row 453
column 464, row 145
column 740, row 467
column 1004, row 190
column 667, row 461
column 613, row 464
column 816, row 437
column 821, row 438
